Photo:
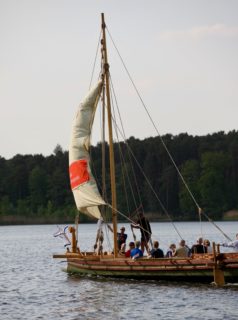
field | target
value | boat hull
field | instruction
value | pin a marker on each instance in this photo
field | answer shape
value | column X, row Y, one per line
column 190, row 269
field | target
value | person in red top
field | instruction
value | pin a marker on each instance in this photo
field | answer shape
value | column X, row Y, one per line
column 128, row 252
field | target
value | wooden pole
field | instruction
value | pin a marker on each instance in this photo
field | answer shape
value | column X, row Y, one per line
column 218, row 274
column 73, row 244
column 111, row 150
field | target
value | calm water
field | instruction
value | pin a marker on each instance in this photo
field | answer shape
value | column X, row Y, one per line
column 33, row 286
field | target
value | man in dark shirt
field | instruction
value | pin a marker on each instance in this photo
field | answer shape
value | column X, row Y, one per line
column 199, row 247
column 121, row 240
column 143, row 224
column 156, row 252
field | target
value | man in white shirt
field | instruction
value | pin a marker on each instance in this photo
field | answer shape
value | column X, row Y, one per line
column 232, row 244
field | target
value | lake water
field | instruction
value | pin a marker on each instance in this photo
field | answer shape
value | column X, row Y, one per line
column 33, row 285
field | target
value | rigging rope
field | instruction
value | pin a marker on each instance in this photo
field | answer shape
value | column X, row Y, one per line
column 121, row 153
column 147, row 180
column 153, row 123
column 163, row 143
column 95, row 59
column 161, row 139
column 139, row 166
column 215, row 225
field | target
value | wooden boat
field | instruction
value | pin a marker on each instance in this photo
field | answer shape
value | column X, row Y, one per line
column 217, row 267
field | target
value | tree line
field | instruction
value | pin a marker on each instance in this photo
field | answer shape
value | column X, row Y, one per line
column 36, row 188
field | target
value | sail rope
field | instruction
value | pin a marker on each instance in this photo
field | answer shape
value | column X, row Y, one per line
column 161, row 139
column 95, row 60
column 216, row 226
column 130, row 152
column 146, row 178
column 153, row 123
column 121, row 153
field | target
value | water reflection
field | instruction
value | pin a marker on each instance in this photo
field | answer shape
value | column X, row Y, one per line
column 32, row 285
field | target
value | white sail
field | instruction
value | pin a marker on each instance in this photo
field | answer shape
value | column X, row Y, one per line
column 83, row 184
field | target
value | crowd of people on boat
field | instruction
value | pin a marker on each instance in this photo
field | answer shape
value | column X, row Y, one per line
column 136, row 249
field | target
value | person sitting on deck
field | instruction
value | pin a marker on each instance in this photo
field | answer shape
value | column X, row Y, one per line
column 232, row 244
column 128, row 252
column 172, row 250
column 156, row 252
column 208, row 245
column 136, row 252
column 183, row 250
column 199, row 247
column 145, row 229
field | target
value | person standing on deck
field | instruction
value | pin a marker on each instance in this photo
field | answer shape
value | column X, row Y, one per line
column 145, row 229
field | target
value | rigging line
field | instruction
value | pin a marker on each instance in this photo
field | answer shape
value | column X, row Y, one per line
column 95, row 59
column 210, row 220
column 125, row 168
column 147, row 180
column 151, row 187
column 162, row 140
column 121, row 160
column 153, row 123
column 158, row 134
column 91, row 157
column 133, row 171
column 200, row 219
column 116, row 126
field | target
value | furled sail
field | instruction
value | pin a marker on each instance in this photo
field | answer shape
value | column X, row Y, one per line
column 83, row 184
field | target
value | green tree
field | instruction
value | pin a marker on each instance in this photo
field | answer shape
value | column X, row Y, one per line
column 6, row 207
column 37, row 187
column 212, row 182
column 191, row 173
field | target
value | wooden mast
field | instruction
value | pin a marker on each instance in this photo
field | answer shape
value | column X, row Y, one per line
column 111, row 150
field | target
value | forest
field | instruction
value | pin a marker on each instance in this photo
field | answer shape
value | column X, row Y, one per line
column 36, row 189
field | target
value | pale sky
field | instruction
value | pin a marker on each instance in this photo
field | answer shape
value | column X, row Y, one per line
column 182, row 55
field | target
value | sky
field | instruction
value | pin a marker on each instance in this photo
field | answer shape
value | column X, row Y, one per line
column 181, row 54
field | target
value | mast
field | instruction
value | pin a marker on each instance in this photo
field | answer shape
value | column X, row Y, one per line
column 111, row 150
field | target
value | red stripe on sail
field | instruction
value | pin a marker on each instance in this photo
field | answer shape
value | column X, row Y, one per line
column 78, row 173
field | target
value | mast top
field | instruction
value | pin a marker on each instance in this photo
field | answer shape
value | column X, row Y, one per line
column 103, row 21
